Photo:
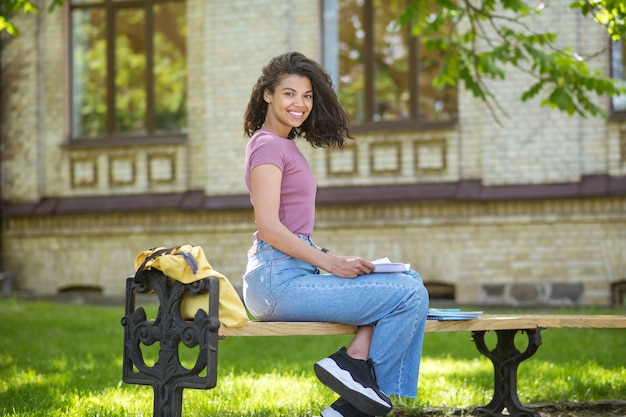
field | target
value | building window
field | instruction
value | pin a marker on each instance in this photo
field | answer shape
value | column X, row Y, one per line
column 128, row 68
column 618, row 70
column 382, row 74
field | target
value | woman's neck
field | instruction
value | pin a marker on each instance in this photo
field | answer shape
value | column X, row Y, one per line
column 283, row 133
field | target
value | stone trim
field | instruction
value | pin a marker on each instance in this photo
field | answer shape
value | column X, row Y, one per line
column 466, row 190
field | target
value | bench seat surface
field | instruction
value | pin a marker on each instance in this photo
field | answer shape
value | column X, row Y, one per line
column 484, row 323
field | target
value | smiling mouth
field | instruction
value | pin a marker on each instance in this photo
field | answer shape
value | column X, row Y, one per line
column 297, row 114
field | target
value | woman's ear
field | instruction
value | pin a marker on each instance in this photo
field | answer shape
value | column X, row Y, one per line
column 267, row 96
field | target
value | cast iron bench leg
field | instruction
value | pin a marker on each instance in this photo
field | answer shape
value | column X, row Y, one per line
column 506, row 359
column 168, row 376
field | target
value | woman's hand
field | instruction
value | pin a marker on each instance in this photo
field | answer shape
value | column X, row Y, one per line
column 350, row 266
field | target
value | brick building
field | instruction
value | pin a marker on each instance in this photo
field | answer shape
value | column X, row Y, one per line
column 104, row 154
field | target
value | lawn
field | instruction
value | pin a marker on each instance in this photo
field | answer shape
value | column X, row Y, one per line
column 65, row 360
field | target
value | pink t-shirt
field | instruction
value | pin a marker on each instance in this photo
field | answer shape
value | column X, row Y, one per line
column 298, row 187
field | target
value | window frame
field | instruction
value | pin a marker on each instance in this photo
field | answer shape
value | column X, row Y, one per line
column 110, row 8
column 369, row 91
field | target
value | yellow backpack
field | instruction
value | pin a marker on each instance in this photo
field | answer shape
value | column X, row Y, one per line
column 187, row 264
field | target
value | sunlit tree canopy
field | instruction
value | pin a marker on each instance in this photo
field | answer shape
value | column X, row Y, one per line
column 480, row 39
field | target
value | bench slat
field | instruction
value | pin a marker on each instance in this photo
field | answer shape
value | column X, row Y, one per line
column 511, row 322
column 286, row 328
column 484, row 323
column 587, row 321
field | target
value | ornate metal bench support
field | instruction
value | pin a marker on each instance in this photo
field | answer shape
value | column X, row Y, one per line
column 506, row 359
column 167, row 375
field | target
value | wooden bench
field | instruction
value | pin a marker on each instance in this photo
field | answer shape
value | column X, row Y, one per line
column 168, row 377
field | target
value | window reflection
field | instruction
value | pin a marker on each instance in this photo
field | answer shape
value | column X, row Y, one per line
column 130, row 71
column 129, row 77
column 170, row 67
column 434, row 103
column 391, row 64
column 618, row 70
column 89, row 69
column 351, row 88
column 381, row 72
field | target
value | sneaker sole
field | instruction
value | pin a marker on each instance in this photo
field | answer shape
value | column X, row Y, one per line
column 339, row 380
column 330, row 412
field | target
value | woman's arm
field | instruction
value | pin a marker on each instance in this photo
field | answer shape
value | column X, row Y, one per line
column 266, row 180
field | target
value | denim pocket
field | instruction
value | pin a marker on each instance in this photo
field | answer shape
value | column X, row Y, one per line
column 257, row 292
column 257, row 289
column 268, row 271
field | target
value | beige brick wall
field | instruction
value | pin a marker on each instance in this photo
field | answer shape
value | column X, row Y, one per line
column 467, row 244
column 198, row 89
column 50, row 253
column 21, row 157
column 462, row 244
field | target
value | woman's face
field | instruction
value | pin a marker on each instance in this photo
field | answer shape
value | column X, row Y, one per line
column 289, row 105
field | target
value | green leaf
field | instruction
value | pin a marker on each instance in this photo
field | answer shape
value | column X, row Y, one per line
column 562, row 100
column 8, row 26
column 532, row 91
column 516, row 6
column 470, row 82
column 55, row 4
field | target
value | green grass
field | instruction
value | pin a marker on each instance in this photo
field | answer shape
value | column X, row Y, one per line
column 65, row 360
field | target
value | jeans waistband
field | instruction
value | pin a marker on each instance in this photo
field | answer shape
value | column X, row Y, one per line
column 305, row 238
column 300, row 236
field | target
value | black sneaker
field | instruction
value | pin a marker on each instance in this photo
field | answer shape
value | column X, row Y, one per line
column 354, row 380
column 342, row 408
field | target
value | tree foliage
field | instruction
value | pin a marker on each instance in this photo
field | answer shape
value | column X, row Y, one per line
column 481, row 39
column 8, row 9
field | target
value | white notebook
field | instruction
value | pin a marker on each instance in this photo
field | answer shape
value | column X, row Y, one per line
column 385, row 266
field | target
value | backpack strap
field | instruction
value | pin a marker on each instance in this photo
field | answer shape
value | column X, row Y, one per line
column 190, row 260
column 139, row 272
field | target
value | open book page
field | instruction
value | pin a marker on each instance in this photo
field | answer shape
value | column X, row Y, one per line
column 384, row 265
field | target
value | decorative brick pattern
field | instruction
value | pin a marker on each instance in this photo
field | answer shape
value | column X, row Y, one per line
column 161, row 168
column 385, row 158
column 84, row 172
column 122, row 171
column 342, row 162
column 430, row 156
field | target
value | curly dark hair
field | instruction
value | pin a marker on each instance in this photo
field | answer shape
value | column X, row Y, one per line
column 326, row 126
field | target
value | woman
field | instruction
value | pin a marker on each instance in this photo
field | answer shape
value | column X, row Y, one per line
column 294, row 98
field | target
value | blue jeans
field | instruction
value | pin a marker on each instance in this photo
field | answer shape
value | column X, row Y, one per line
column 278, row 287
